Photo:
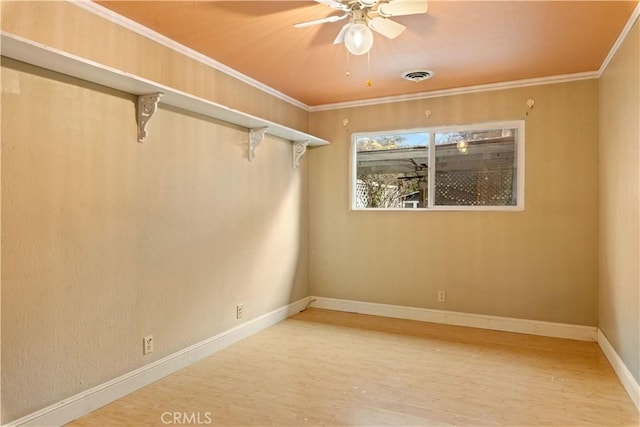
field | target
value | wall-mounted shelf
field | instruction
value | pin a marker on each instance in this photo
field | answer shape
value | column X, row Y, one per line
column 40, row 55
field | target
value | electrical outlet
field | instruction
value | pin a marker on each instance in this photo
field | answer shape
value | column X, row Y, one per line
column 147, row 345
column 239, row 311
column 441, row 296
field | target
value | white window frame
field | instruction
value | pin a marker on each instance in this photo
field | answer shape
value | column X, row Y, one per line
column 520, row 162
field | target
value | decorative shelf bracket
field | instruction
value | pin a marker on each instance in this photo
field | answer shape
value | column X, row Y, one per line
column 299, row 148
column 256, row 136
column 147, row 106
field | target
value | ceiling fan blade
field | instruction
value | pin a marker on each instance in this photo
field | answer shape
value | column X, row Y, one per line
column 403, row 7
column 333, row 18
column 340, row 37
column 386, row 27
column 335, row 4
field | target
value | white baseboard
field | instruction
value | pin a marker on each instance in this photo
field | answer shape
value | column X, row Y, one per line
column 626, row 378
column 81, row 404
column 507, row 324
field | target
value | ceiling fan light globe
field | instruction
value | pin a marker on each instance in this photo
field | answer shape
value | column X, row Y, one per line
column 358, row 39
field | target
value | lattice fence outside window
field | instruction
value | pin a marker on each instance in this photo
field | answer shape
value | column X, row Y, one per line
column 475, row 188
column 362, row 195
column 387, row 195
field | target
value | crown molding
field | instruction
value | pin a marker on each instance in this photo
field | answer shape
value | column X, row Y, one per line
column 131, row 25
column 623, row 35
column 459, row 91
column 152, row 35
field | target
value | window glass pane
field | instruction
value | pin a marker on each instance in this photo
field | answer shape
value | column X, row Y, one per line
column 391, row 170
column 476, row 168
column 470, row 166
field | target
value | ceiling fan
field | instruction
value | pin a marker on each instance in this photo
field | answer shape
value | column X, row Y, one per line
column 367, row 15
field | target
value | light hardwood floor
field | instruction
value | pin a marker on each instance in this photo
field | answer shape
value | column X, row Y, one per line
column 330, row 368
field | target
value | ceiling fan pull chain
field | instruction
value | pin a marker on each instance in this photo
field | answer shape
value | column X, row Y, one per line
column 348, row 73
column 369, row 83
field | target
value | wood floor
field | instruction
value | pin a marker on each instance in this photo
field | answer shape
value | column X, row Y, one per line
column 329, row 368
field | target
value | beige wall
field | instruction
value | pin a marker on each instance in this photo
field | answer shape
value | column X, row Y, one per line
column 619, row 206
column 105, row 240
column 538, row 264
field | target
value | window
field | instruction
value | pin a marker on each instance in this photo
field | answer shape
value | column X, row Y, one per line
column 462, row 167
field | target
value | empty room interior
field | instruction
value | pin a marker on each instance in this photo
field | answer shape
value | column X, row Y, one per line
column 330, row 212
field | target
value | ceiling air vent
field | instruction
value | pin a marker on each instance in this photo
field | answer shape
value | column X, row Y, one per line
column 417, row 75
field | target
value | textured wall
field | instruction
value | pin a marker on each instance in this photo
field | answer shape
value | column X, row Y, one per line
column 105, row 240
column 538, row 264
column 619, row 202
